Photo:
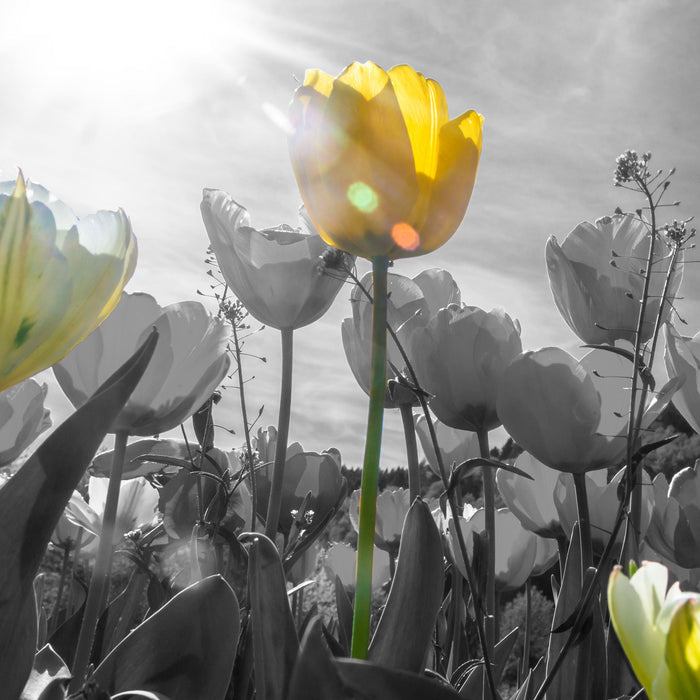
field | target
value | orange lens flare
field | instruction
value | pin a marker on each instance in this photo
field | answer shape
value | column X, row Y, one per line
column 405, row 236
column 363, row 197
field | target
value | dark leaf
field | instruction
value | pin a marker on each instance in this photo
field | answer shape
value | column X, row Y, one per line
column 367, row 680
column 405, row 629
column 185, row 650
column 32, row 502
column 49, row 677
column 315, row 677
column 275, row 640
column 345, row 614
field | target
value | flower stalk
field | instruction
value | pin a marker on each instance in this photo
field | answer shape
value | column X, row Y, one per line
column 409, row 430
column 103, row 563
column 275, row 500
column 490, row 517
column 370, row 469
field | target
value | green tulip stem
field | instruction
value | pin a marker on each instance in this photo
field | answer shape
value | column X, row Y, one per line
column 274, row 504
column 100, row 576
column 409, row 431
column 370, row 468
column 584, row 521
column 490, row 517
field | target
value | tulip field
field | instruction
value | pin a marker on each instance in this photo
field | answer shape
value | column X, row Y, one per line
column 172, row 568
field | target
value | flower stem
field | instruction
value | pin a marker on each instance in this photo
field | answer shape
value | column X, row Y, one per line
column 409, row 431
column 584, row 521
column 65, row 566
column 635, row 407
column 490, row 517
column 100, row 575
column 246, row 428
column 370, row 468
column 275, row 502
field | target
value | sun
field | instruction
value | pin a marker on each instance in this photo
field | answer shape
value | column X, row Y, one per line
column 117, row 61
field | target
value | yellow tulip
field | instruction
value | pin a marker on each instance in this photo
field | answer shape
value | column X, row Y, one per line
column 659, row 631
column 60, row 277
column 381, row 168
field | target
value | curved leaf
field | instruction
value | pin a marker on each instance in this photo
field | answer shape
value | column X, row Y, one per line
column 315, row 677
column 275, row 641
column 32, row 502
column 49, row 677
column 406, row 627
column 363, row 679
column 184, row 651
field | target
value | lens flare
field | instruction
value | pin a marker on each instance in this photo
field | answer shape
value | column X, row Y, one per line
column 405, row 235
column 363, row 197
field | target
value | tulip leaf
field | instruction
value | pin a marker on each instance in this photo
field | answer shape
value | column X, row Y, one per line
column 120, row 615
column 49, row 677
column 405, row 629
column 563, row 684
column 32, row 502
column 345, row 612
column 185, row 650
column 474, row 682
column 534, row 679
column 468, row 466
column 644, row 450
column 363, row 679
column 315, row 677
column 577, row 613
column 275, row 641
column 133, row 694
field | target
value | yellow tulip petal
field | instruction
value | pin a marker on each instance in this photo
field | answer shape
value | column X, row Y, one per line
column 683, row 651
column 380, row 168
column 424, row 109
column 56, row 286
column 642, row 645
column 446, row 199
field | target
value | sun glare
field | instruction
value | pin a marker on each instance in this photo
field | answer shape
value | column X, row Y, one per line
column 127, row 59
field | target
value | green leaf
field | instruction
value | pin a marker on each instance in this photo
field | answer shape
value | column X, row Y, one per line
column 468, row 466
column 184, row 651
column 344, row 608
column 406, row 627
column 48, row 678
column 474, row 683
column 120, row 616
column 315, row 677
column 534, row 679
column 33, row 500
column 363, row 679
column 568, row 601
column 275, row 640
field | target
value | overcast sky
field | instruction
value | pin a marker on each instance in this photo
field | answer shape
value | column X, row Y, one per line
column 143, row 107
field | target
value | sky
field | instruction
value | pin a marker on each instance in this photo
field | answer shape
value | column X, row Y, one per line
column 142, row 104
